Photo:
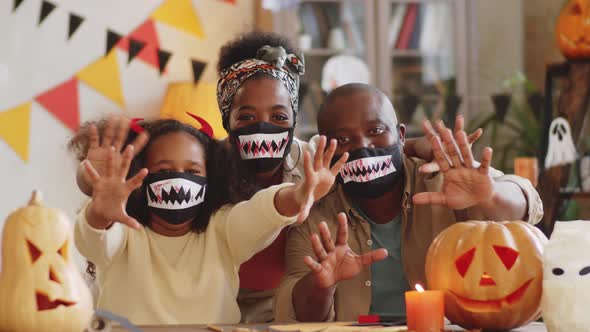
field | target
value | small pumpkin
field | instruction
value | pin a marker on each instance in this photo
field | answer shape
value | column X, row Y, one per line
column 491, row 272
column 41, row 289
column 573, row 29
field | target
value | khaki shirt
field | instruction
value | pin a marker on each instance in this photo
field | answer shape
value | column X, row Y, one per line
column 420, row 225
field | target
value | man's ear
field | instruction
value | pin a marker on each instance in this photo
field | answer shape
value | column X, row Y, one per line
column 401, row 129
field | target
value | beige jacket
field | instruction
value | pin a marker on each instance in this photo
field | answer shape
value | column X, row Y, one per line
column 420, row 225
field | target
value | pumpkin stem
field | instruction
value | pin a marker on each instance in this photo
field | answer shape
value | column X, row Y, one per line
column 36, row 198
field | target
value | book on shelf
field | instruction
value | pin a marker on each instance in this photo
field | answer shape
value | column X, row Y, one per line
column 395, row 23
column 403, row 39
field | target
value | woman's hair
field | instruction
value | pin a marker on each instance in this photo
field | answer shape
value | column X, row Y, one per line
column 241, row 183
column 216, row 193
column 245, row 46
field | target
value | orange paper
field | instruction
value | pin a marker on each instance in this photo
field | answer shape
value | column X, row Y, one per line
column 527, row 168
column 425, row 311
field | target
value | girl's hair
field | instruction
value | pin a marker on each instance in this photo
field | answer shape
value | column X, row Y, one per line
column 216, row 193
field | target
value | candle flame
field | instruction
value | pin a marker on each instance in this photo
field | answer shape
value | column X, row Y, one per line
column 419, row 288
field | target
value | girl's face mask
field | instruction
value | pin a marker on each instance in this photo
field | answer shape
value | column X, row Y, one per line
column 262, row 146
column 175, row 197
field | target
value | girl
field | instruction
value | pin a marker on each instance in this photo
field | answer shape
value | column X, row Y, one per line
column 162, row 252
column 258, row 97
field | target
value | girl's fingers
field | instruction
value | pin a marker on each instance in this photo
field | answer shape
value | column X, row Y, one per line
column 318, row 248
column 330, row 153
column 109, row 132
column 465, row 149
column 126, row 161
column 486, row 160
column 121, row 135
column 140, row 141
column 317, row 164
column 110, row 169
column 342, row 237
column 94, row 137
column 90, row 174
column 326, row 237
column 137, row 180
column 338, row 165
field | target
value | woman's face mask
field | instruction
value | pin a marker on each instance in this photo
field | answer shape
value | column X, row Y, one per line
column 262, row 146
column 371, row 172
column 175, row 197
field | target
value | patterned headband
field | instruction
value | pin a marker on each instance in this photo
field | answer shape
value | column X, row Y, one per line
column 273, row 61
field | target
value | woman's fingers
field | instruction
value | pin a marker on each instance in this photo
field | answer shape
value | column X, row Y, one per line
column 465, row 149
column 486, row 160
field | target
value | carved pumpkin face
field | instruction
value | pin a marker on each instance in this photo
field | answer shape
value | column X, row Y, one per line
column 573, row 29
column 40, row 286
column 491, row 273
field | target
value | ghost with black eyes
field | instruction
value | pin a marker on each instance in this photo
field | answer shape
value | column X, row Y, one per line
column 566, row 278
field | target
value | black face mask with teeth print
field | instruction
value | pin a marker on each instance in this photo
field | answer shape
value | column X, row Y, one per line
column 262, row 146
column 175, row 197
column 371, row 172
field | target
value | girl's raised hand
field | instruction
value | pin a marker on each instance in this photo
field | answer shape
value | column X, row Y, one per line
column 319, row 176
column 111, row 190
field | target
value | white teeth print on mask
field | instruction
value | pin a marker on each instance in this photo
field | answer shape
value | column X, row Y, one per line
column 367, row 169
column 258, row 146
column 175, row 194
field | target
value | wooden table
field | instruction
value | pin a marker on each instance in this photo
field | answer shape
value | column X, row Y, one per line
column 533, row 327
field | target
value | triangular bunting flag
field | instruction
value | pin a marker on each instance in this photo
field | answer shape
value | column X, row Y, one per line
column 103, row 76
column 46, row 9
column 112, row 40
column 163, row 58
column 198, row 68
column 16, row 5
column 62, row 102
column 145, row 33
column 14, row 129
column 135, row 46
column 181, row 15
column 230, row 1
column 74, row 24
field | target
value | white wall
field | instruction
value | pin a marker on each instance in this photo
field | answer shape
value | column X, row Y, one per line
column 34, row 59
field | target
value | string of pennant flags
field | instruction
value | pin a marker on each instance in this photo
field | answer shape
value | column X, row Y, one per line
column 103, row 76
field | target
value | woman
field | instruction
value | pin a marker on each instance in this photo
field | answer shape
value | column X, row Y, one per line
column 257, row 93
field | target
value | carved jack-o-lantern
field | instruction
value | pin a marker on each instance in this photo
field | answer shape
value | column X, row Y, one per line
column 491, row 273
column 573, row 29
column 40, row 288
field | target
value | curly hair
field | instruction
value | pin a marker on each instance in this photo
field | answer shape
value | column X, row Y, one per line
column 246, row 45
column 216, row 194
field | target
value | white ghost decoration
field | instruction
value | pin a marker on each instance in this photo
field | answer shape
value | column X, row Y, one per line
column 566, row 278
column 561, row 149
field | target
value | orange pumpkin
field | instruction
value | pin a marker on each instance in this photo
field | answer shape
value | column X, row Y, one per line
column 573, row 29
column 491, row 273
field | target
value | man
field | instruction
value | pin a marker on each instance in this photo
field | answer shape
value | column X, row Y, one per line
column 392, row 211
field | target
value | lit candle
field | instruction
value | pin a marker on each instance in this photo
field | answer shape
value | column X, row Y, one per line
column 425, row 310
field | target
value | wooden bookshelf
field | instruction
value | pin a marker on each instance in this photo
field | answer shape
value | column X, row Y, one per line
column 329, row 52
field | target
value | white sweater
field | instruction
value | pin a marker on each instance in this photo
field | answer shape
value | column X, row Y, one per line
column 192, row 279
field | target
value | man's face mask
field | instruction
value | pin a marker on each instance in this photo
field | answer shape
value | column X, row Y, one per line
column 175, row 197
column 262, row 145
column 371, row 172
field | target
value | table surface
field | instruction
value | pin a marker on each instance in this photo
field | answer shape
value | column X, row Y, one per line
column 533, row 327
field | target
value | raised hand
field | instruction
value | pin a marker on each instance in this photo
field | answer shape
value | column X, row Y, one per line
column 319, row 176
column 112, row 190
column 424, row 148
column 336, row 261
column 464, row 185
